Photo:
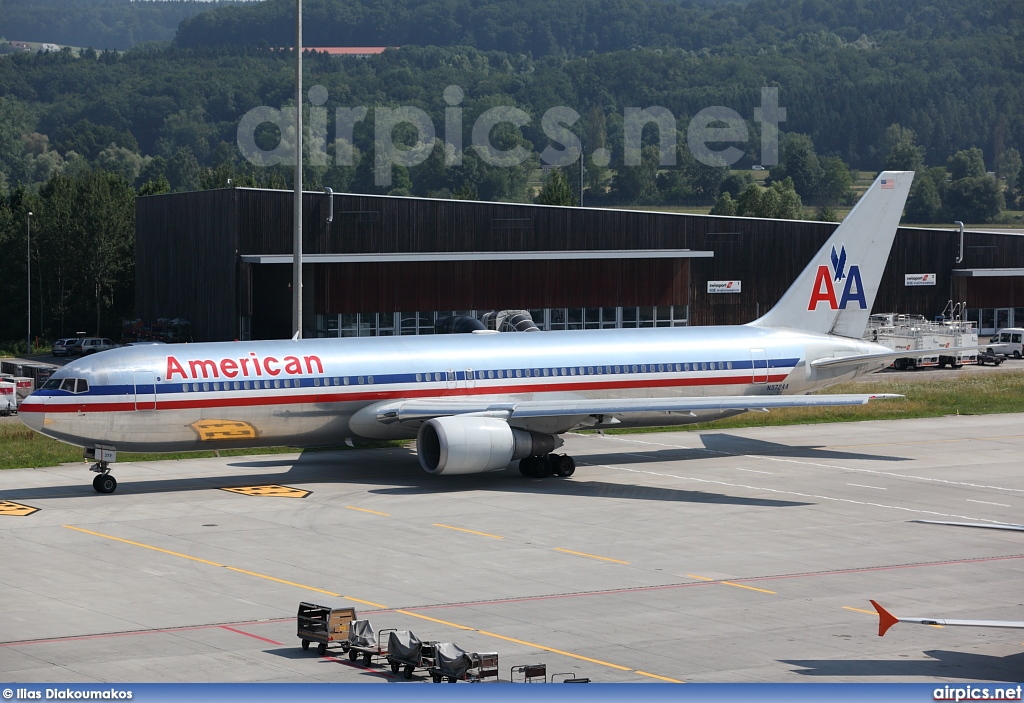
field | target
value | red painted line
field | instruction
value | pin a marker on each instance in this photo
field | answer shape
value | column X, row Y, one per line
column 306, row 397
column 130, row 633
column 249, row 634
column 674, row 586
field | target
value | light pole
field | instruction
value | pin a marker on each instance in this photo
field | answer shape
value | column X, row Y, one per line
column 297, row 213
column 28, row 260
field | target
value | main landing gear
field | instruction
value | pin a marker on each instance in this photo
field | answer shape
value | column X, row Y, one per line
column 104, row 482
column 547, row 465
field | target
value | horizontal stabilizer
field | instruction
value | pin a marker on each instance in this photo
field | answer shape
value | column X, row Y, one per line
column 419, row 410
column 855, row 359
column 988, row 526
column 887, row 620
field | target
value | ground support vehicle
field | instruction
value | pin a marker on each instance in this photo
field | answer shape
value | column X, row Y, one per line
column 530, row 673
column 364, row 642
column 8, row 398
column 923, row 340
column 323, row 625
column 453, row 664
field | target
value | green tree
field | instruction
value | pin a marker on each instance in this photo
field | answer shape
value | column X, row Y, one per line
column 800, row 163
column 637, row 185
column 968, row 163
column 556, row 190
column 725, row 205
column 924, row 204
column 827, row 214
column 1008, row 166
column 835, row 184
column 977, row 199
column 903, row 152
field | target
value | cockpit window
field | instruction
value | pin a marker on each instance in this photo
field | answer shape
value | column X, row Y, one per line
column 71, row 385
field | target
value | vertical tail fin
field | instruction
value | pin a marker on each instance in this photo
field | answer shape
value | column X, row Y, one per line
column 834, row 294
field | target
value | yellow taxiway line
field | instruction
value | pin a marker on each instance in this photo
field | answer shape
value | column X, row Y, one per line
column 472, row 532
column 872, row 612
column 365, row 510
column 589, row 556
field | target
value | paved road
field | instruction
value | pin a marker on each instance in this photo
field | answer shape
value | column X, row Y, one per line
column 734, row 555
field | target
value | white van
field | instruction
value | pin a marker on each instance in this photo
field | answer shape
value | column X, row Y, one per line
column 1009, row 341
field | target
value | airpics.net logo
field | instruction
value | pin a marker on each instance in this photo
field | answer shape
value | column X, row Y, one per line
column 717, row 126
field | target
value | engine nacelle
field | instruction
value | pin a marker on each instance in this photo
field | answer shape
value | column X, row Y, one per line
column 472, row 445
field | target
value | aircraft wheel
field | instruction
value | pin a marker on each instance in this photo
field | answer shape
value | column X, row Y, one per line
column 564, row 464
column 544, row 468
column 526, row 467
column 104, row 483
column 305, row 645
column 321, row 649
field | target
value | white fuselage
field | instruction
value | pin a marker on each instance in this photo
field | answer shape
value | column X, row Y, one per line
column 323, row 391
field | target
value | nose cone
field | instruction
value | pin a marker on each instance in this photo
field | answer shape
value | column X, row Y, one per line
column 32, row 413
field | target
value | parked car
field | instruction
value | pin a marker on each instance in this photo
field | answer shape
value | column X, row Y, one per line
column 91, row 345
column 63, row 347
column 988, row 357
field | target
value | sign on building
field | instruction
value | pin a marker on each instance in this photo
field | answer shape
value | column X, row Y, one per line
column 723, row 286
column 919, row 279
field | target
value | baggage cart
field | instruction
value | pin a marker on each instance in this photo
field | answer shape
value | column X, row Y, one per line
column 531, row 673
column 324, row 625
column 365, row 642
column 452, row 664
column 406, row 653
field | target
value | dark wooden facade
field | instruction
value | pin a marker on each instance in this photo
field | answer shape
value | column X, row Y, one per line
column 189, row 248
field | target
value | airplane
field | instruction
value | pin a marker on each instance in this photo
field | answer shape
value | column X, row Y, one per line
column 887, row 619
column 478, row 402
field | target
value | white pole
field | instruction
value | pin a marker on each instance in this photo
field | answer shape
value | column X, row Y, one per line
column 28, row 259
column 297, row 245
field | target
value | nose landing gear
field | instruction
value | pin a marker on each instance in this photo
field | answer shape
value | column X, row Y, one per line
column 104, row 482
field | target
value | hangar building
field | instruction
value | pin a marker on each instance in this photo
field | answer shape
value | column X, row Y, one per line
column 386, row 265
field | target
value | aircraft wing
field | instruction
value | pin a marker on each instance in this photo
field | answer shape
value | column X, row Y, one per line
column 887, row 620
column 855, row 359
column 413, row 410
column 988, row 526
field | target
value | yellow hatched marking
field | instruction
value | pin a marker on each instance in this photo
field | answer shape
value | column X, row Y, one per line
column 364, row 510
column 472, row 532
column 749, row 588
column 213, row 430
column 271, row 491
column 16, row 509
column 590, row 556
column 144, row 546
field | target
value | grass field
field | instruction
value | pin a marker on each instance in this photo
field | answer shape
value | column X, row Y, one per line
column 975, row 394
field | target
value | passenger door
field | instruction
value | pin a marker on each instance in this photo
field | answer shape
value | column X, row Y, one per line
column 759, row 363
column 145, row 390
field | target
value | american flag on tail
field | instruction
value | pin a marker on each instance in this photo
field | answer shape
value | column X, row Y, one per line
column 888, row 183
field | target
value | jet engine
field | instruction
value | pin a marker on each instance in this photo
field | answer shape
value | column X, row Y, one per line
column 472, row 445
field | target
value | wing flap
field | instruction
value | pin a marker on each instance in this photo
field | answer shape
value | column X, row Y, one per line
column 418, row 410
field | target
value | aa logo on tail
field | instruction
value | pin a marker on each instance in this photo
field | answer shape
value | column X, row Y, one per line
column 826, row 280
